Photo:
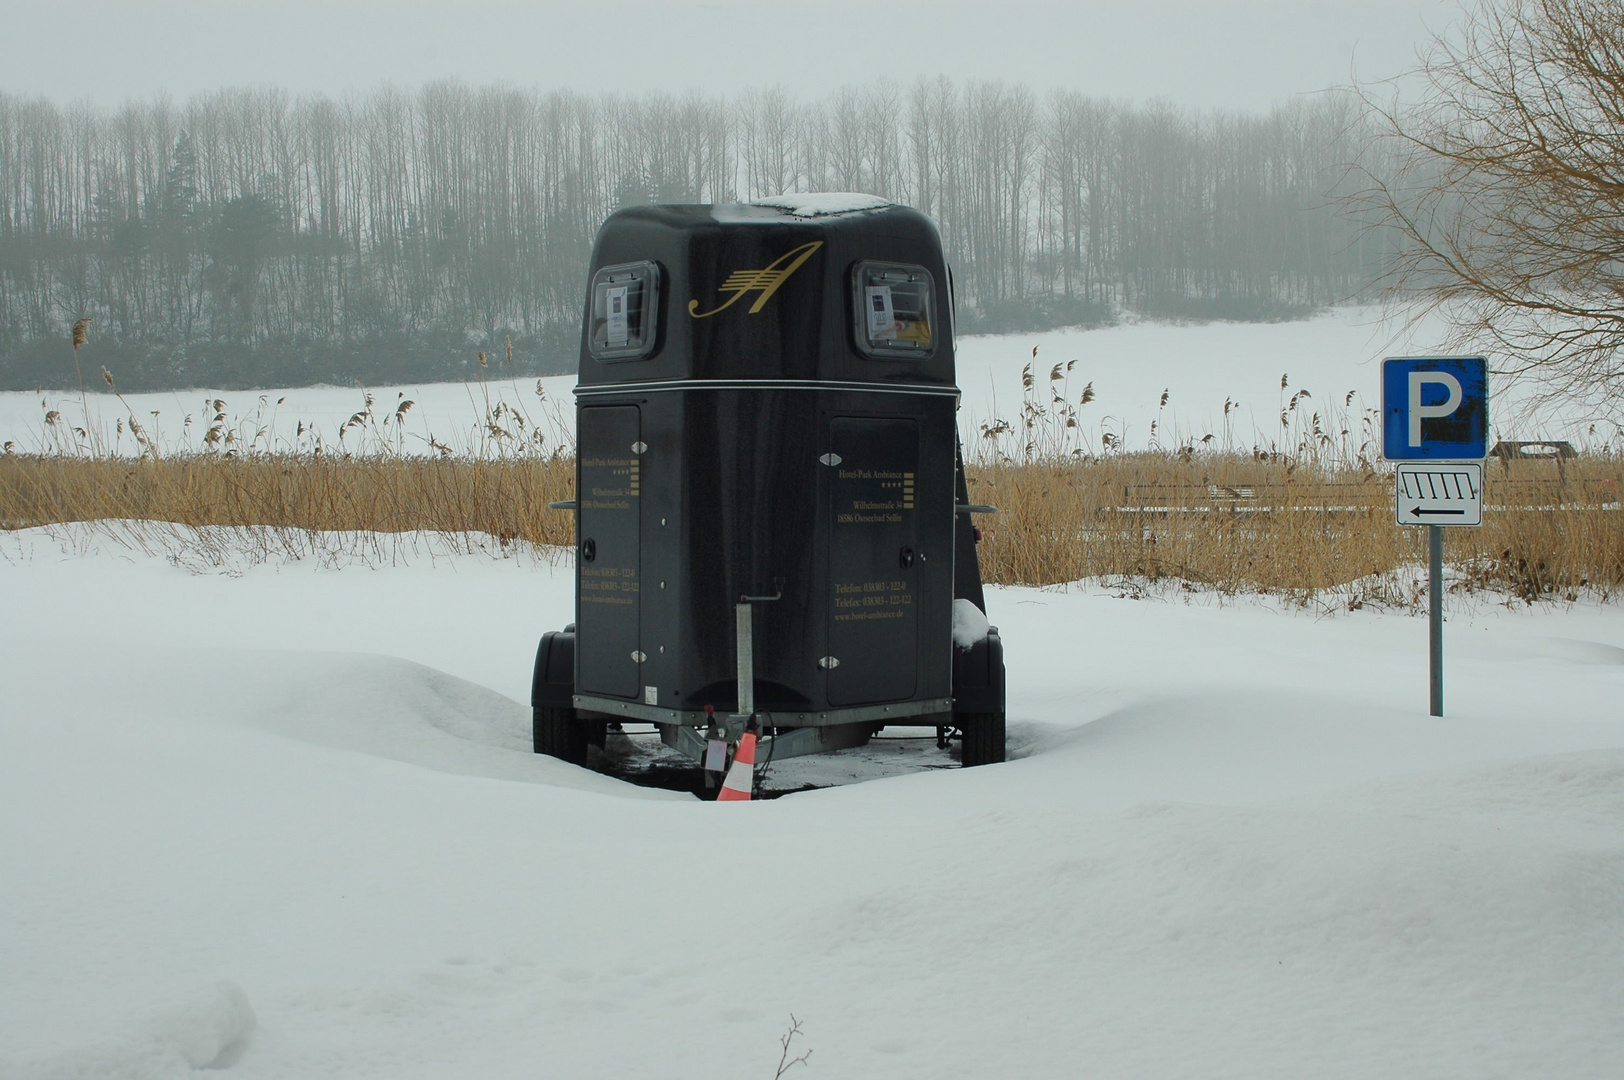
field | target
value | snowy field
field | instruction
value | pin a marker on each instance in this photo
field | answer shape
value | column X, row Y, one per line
column 1130, row 365
column 284, row 822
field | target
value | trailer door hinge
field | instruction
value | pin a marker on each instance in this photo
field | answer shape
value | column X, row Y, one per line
column 830, row 459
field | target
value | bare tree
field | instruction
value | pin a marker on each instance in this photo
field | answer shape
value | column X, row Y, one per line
column 1509, row 191
column 767, row 120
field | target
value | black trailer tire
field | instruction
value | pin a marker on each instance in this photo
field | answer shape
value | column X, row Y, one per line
column 561, row 734
column 983, row 741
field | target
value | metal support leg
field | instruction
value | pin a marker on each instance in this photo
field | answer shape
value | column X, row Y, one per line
column 747, row 659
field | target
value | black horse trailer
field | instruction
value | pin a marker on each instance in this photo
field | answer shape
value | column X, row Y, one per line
column 772, row 521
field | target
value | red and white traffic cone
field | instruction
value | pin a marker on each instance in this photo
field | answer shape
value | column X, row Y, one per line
column 741, row 775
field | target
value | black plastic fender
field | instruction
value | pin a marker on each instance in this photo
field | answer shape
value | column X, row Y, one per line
column 978, row 675
column 553, row 684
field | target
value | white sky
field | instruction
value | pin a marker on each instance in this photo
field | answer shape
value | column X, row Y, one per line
column 1238, row 55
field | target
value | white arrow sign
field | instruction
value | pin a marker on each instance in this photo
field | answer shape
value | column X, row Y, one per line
column 1439, row 493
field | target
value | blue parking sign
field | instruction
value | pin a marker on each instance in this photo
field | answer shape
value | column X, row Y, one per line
column 1435, row 408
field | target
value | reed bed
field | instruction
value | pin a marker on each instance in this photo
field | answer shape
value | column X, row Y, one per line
column 1237, row 524
column 1305, row 510
column 294, row 505
column 1304, row 513
column 1222, row 522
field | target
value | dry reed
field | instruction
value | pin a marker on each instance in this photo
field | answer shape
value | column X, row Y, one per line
column 290, row 504
column 1223, row 522
column 1307, row 514
column 1306, row 510
column 1235, row 524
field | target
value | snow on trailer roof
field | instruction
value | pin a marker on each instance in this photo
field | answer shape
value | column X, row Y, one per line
column 822, row 203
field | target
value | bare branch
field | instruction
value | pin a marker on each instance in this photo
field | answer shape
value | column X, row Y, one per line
column 1506, row 189
column 785, row 1062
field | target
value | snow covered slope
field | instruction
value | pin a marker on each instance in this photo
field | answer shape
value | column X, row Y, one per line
column 286, row 823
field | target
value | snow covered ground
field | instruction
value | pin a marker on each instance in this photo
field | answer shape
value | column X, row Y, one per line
column 285, row 821
column 1200, row 366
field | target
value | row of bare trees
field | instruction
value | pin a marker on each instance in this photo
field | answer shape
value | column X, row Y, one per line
column 250, row 236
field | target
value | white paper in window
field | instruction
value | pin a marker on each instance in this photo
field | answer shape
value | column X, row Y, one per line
column 882, row 318
column 618, row 327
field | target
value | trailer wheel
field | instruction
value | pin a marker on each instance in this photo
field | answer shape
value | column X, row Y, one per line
column 561, row 734
column 983, row 742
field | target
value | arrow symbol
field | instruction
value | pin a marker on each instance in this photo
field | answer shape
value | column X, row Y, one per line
column 1418, row 512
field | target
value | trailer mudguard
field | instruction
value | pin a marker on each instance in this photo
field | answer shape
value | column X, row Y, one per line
column 553, row 684
column 978, row 676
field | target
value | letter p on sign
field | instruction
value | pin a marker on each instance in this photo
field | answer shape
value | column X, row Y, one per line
column 1419, row 412
column 1435, row 408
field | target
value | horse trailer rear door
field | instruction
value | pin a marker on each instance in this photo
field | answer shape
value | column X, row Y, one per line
column 609, row 554
column 874, row 611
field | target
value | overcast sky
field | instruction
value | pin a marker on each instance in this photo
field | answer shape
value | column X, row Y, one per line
column 1240, row 55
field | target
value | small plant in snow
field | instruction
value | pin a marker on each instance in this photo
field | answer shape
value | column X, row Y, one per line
column 785, row 1062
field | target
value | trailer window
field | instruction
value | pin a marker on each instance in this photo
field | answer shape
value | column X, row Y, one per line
column 625, row 311
column 895, row 307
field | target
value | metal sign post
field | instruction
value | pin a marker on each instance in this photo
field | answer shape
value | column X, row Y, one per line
column 1437, row 494
column 1435, row 423
column 1435, row 618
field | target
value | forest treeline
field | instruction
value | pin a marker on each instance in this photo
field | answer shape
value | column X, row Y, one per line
column 255, row 238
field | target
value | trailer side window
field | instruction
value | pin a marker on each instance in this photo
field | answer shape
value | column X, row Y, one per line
column 895, row 307
column 625, row 311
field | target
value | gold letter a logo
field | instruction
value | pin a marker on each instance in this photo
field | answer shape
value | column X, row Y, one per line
column 765, row 281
